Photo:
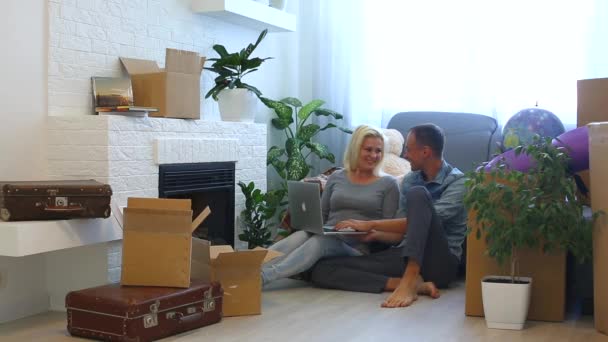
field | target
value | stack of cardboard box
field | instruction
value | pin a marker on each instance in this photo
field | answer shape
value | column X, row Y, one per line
column 593, row 111
column 159, row 250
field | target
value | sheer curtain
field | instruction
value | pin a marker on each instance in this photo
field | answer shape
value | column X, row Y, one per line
column 378, row 57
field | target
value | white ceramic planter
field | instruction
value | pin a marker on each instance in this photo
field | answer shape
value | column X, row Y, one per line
column 237, row 104
column 505, row 305
column 278, row 4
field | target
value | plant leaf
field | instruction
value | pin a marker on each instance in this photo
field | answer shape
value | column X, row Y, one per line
column 283, row 111
column 252, row 63
column 215, row 90
column 321, row 150
column 252, row 88
column 307, row 132
column 328, row 112
column 292, row 101
column 250, row 47
column 221, row 50
column 308, row 108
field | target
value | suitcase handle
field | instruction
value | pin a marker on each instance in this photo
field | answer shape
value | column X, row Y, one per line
column 63, row 210
column 181, row 319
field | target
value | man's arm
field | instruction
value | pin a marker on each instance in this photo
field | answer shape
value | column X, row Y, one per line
column 376, row 235
column 451, row 204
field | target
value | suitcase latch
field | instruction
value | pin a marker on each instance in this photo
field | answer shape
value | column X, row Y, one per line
column 151, row 319
column 208, row 302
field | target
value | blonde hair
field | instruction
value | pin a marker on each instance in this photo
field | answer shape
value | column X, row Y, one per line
column 351, row 155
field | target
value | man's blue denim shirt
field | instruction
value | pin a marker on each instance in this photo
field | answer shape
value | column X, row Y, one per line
column 447, row 191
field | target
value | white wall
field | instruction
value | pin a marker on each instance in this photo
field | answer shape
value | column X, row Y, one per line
column 23, row 24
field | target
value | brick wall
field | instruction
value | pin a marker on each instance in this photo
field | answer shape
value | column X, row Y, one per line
column 86, row 37
column 125, row 152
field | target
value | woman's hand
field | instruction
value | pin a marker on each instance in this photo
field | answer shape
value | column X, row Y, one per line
column 362, row 226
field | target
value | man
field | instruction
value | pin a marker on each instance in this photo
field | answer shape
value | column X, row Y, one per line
column 431, row 213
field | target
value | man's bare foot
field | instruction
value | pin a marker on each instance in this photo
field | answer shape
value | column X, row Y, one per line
column 428, row 289
column 392, row 284
column 404, row 295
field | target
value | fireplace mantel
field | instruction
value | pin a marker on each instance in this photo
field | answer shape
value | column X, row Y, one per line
column 18, row 239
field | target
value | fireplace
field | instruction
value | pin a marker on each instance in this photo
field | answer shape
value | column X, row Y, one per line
column 206, row 184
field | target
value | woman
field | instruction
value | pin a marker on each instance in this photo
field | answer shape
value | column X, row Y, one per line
column 358, row 191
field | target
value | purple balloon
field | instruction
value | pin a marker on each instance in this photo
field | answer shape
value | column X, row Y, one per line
column 521, row 162
column 575, row 141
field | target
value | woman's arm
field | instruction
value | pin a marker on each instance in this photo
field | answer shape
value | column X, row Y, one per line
column 398, row 225
column 326, row 197
column 390, row 202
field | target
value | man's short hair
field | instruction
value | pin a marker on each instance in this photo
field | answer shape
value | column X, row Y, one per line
column 430, row 135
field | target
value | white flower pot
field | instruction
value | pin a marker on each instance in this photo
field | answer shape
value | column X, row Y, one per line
column 238, row 104
column 278, row 4
column 505, row 305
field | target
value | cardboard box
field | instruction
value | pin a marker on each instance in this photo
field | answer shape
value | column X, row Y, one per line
column 548, row 272
column 598, row 167
column 157, row 242
column 592, row 101
column 175, row 90
column 237, row 271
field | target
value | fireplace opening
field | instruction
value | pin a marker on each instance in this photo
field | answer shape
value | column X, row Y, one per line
column 205, row 184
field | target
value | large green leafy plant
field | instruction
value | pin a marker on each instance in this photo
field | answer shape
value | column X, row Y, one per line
column 290, row 161
column 259, row 210
column 232, row 67
column 538, row 208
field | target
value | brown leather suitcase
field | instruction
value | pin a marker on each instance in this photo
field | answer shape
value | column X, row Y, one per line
column 54, row 200
column 142, row 313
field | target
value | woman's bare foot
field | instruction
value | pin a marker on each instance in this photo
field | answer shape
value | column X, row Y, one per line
column 428, row 289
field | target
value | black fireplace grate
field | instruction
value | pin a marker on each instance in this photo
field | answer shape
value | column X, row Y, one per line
column 187, row 178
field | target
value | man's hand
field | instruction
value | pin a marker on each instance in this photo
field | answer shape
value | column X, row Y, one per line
column 362, row 226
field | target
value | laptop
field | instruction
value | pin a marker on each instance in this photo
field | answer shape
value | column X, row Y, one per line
column 305, row 209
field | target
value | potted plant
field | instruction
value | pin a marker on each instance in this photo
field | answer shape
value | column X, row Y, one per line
column 255, row 218
column 535, row 209
column 236, row 99
column 290, row 162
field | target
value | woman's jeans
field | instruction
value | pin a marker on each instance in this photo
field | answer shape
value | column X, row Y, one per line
column 301, row 251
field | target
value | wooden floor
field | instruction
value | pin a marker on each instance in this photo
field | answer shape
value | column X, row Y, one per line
column 294, row 311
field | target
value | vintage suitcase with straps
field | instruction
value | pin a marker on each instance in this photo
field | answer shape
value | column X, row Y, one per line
column 142, row 313
column 54, row 200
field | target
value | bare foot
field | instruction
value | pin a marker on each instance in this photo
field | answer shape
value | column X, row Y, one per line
column 392, row 284
column 403, row 296
column 428, row 289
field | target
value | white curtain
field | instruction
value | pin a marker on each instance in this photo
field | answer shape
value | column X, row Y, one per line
column 371, row 59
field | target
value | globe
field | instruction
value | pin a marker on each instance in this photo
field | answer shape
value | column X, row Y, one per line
column 525, row 124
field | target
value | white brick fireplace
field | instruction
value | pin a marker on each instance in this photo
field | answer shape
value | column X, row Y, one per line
column 125, row 152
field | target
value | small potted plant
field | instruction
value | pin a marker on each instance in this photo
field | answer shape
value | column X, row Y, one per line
column 236, row 99
column 255, row 218
column 535, row 209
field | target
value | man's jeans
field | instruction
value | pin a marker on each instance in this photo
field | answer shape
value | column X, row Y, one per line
column 302, row 250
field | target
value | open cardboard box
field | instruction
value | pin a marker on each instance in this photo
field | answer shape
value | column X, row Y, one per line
column 175, row 90
column 237, row 271
column 157, row 241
